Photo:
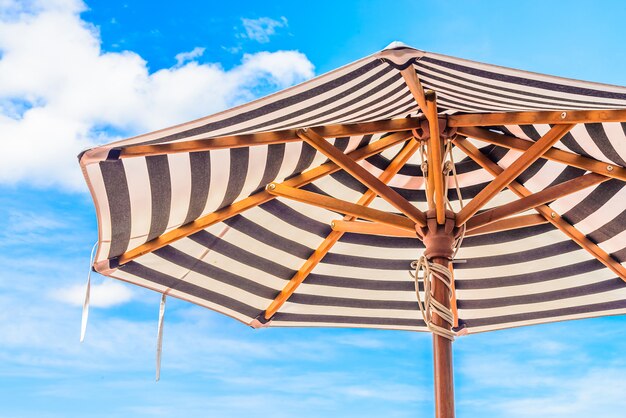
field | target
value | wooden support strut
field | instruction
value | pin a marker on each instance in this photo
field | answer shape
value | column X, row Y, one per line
column 375, row 228
column 341, row 206
column 551, row 216
column 553, row 154
column 507, row 175
column 321, row 251
column 371, row 228
column 508, row 224
column 252, row 201
column 536, row 199
column 362, row 175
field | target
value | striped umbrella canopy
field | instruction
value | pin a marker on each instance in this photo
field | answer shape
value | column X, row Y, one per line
column 314, row 206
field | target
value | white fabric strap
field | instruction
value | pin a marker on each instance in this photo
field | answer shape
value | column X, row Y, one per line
column 160, row 337
column 85, row 317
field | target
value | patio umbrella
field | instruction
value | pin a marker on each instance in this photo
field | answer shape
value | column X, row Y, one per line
column 407, row 190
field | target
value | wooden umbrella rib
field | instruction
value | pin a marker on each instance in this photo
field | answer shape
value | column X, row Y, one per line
column 415, row 86
column 361, row 174
column 510, row 173
column 302, row 274
column 398, row 162
column 546, row 117
column 551, row 216
column 514, row 222
column 553, row 154
column 268, row 138
column 435, row 169
column 258, row 198
column 536, row 199
column 341, row 206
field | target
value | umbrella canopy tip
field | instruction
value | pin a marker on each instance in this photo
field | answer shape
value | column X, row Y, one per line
column 399, row 54
column 396, row 45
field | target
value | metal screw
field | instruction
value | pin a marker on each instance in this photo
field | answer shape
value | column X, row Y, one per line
column 332, row 224
column 609, row 168
column 553, row 215
column 563, row 115
column 271, row 186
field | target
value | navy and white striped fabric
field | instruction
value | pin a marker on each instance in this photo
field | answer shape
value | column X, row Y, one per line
column 237, row 267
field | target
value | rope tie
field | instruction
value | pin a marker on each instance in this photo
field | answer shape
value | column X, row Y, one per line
column 450, row 167
column 424, row 163
column 432, row 271
column 429, row 305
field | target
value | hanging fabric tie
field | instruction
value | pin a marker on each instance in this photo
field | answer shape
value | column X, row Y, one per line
column 160, row 337
column 429, row 305
column 85, row 316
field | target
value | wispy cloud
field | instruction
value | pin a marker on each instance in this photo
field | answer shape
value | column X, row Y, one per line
column 598, row 392
column 184, row 57
column 544, row 371
column 263, row 28
column 26, row 221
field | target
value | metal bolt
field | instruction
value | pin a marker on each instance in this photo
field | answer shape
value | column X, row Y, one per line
column 271, row 186
column 563, row 115
column 609, row 168
column 332, row 224
column 553, row 215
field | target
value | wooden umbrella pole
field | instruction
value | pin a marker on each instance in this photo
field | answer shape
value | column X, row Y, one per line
column 442, row 353
column 439, row 242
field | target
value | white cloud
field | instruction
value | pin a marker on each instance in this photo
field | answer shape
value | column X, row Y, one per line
column 103, row 295
column 596, row 393
column 544, row 371
column 60, row 93
column 27, row 221
column 262, row 28
column 184, row 57
column 391, row 392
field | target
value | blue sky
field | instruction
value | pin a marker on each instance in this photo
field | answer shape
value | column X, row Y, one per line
column 76, row 74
